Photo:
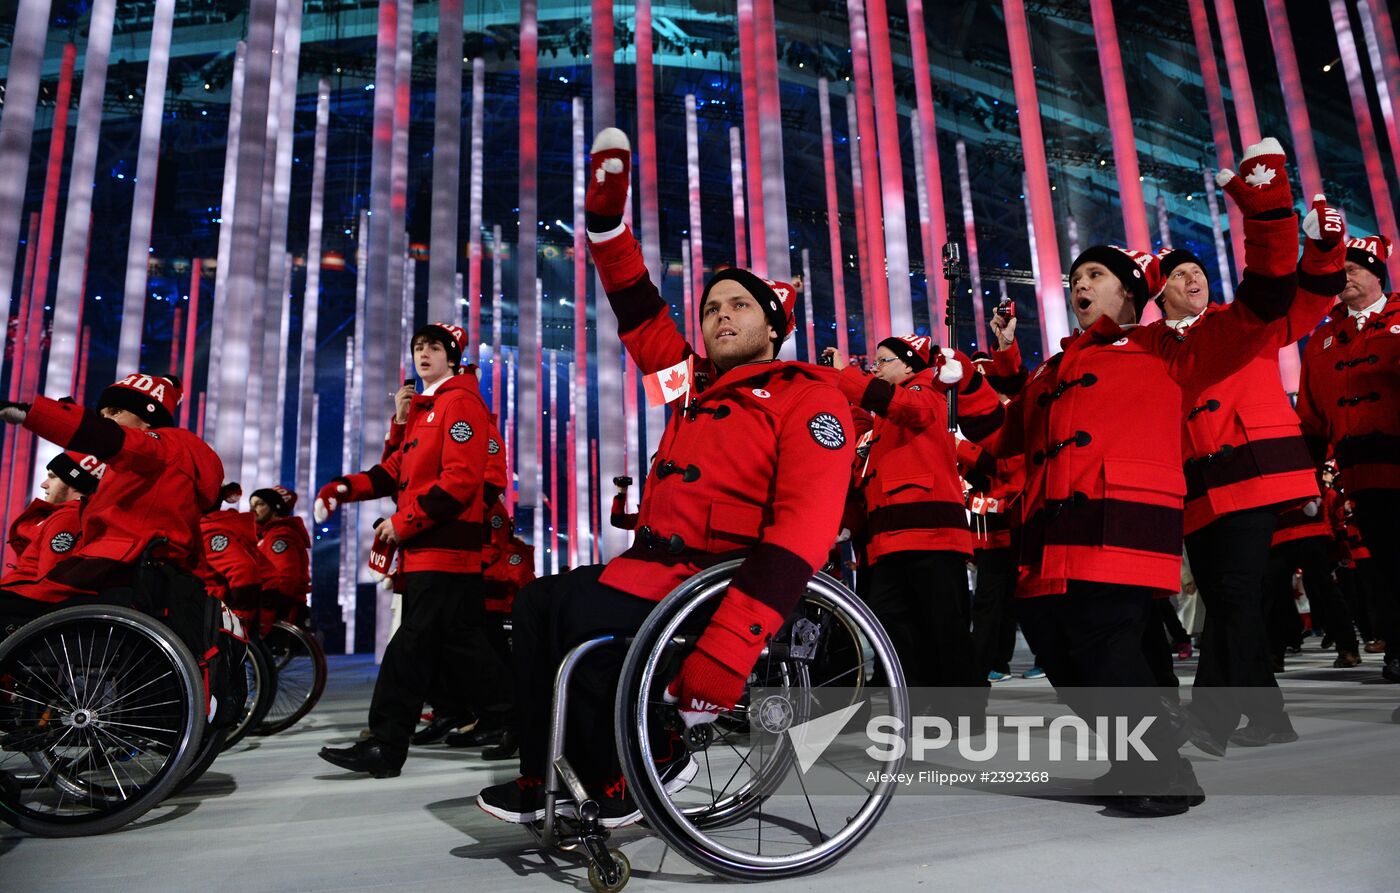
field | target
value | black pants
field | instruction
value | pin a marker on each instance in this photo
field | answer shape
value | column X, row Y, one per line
column 1157, row 642
column 1280, row 601
column 1378, row 517
column 1351, row 582
column 440, row 645
column 551, row 615
column 993, row 611
column 1329, row 610
column 921, row 600
column 1091, row 637
column 1228, row 558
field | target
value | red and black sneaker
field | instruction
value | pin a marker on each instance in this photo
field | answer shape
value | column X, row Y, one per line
column 520, row 801
column 616, row 808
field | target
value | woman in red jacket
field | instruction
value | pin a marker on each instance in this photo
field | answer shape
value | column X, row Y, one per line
column 917, row 534
column 286, row 546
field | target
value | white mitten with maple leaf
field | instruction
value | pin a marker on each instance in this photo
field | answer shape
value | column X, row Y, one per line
column 1261, row 190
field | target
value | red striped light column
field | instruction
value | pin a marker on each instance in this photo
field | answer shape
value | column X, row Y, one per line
column 876, row 282
column 1365, row 131
column 527, row 392
column 863, row 239
column 497, row 404
column 736, row 188
column 12, row 473
column 1050, row 292
column 697, row 245
column 753, row 139
column 1238, row 69
column 1220, row 130
column 807, row 306
column 778, row 259
column 191, row 345
column 974, row 266
column 927, row 147
column 474, row 290
column 1295, row 103
column 688, row 295
column 891, row 167
column 1385, row 62
column 833, row 223
column 80, row 372
column 1120, row 125
column 17, row 133
column 578, row 378
column 646, row 141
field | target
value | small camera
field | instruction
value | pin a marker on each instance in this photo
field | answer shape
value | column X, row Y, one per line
column 1007, row 309
column 826, row 359
column 622, row 480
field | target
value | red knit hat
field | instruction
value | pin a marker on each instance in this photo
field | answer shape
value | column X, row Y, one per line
column 1139, row 271
column 152, row 398
column 1371, row 253
column 280, row 499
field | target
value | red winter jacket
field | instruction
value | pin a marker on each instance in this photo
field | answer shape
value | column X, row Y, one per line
column 619, row 517
column 1241, row 443
column 508, row 576
column 994, row 500
column 1100, row 423
column 758, row 462
column 436, row 477
column 286, row 548
column 233, row 569
column 1294, row 522
column 1349, row 393
column 913, row 497
column 1348, row 545
column 50, row 540
column 23, row 527
column 158, row 484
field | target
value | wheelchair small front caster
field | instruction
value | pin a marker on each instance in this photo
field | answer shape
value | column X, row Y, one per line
column 610, row 879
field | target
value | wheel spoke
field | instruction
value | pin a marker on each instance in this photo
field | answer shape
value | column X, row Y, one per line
column 108, row 705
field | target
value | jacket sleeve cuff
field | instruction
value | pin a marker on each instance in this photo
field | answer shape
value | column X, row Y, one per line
column 1271, row 246
column 70, row 425
column 618, row 260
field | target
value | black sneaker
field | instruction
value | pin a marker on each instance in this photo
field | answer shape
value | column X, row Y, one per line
column 1255, row 735
column 520, row 801
column 674, row 764
column 616, row 808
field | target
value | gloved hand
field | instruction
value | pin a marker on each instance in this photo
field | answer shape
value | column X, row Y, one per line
column 381, row 559
column 1325, row 224
column 328, row 499
column 609, row 176
column 949, row 368
column 13, row 413
column 712, row 678
column 1261, row 191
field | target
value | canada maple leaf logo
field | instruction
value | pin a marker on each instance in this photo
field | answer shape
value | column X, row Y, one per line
column 1261, row 176
column 674, row 381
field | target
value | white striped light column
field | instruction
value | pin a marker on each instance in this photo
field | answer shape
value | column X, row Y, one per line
column 447, row 158
column 578, row 374
column 474, row 290
column 778, row 257
column 1222, row 257
column 833, row 222
column 974, row 265
column 697, row 245
column 311, row 302
column 927, row 147
column 901, row 309
column 876, row 280
column 221, row 259
column 1385, row 65
column 863, row 239
column 753, row 138
column 1219, row 127
column 736, row 187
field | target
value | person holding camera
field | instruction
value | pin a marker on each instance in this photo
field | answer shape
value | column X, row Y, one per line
column 437, row 477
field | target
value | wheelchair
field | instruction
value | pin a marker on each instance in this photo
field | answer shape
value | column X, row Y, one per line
column 299, row 661
column 105, row 706
column 747, row 815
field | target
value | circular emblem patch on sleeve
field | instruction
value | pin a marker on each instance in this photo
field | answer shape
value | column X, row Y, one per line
column 62, row 542
column 826, row 430
column 492, row 446
column 279, row 546
column 218, row 543
column 515, row 559
column 460, row 431
column 498, row 522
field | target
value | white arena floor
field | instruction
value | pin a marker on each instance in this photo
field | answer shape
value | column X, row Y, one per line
column 271, row 816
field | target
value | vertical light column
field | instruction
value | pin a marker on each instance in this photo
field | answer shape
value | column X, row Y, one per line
column 143, row 195
column 927, row 147
column 279, row 401
column 527, row 402
column 736, row 188
column 651, row 232
column 891, row 167
column 925, row 239
column 80, row 373
column 1164, row 232
column 1120, row 125
column 357, row 516
column 173, row 364
column 1220, row 130
column 399, row 276
column 692, row 180
column 833, row 222
column 1222, row 257
column 753, row 138
column 807, row 305
column 346, row 588
column 688, row 296
column 498, row 405
column 1071, row 236
column 863, row 239
column 1238, row 69
column 447, row 162
column 221, row 259
column 1294, row 102
column 778, row 257
column 1050, row 291
column 305, row 477
column 974, row 266
column 535, row 470
column 12, row 476
column 555, row 412
column 187, row 418
column 77, row 222
column 474, row 291
column 875, row 279
column 1385, row 64
column 241, row 289
column 578, row 370
column 613, row 415
column 33, row 338
column 17, row 132
column 1365, row 131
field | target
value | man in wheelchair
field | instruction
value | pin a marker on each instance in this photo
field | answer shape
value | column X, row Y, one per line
column 754, row 460
column 159, row 479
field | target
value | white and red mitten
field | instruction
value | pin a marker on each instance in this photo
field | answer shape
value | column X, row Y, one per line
column 1324, row 251
column 949, row 368
column 609, row 177
column 1261, row 190
column 329, row 498
column 711, row 680
column 381, row 556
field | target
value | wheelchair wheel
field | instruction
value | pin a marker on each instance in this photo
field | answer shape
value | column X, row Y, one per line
column 748, row 815
column 101, row 709
column 262, row 688
column 300, row 663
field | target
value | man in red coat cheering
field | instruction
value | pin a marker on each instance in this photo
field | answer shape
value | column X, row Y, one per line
column 755, row 459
